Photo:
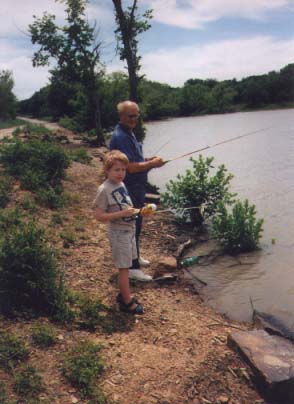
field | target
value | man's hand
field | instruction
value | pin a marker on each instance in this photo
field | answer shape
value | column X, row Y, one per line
column 156, row 162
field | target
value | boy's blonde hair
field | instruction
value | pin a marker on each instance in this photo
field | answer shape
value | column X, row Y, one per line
column 112, row 157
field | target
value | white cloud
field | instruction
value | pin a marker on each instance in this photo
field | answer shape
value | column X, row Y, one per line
column 195, row 13
column 220, row 60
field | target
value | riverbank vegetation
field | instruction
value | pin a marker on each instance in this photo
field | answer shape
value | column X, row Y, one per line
column 203, row 192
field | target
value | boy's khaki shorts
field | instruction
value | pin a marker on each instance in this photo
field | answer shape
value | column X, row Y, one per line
column 123, row 247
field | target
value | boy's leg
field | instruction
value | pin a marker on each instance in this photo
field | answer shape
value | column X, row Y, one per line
column 124, row 285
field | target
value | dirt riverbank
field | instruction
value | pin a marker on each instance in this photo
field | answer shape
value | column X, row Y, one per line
column 176, row 353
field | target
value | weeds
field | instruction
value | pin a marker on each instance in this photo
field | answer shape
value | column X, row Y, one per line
column 12, row 351
column 44, row 335
column 82, row 367
column 28, row 383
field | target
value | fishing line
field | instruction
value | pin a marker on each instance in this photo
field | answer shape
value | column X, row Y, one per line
column 217, row 144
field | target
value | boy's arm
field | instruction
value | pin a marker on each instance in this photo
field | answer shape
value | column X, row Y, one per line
column 103, row 216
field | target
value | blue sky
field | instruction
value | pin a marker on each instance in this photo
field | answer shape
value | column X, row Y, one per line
column 219, row 39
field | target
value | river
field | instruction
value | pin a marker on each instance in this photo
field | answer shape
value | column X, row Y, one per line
column 263, row 168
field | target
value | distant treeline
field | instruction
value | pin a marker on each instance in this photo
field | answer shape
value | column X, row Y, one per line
column 67, row 102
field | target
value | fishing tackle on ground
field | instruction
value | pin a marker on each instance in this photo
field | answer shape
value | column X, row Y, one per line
column 189, row 261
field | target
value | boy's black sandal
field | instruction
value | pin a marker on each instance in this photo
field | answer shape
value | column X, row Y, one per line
column 126, row 307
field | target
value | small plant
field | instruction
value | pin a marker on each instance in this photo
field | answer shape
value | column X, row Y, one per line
column 68, row 238
column 28, row 383
column 91, row 313
column 3, row 396
column 80, row 155
column 83, row 366
column 200, row 190
column 238, row 231
column 29, row 204
column 56, row 218
column 12, row 351
column 43, row 335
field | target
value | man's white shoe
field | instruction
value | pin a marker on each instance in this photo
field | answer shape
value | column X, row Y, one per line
column 144, row 263
column 139, row 275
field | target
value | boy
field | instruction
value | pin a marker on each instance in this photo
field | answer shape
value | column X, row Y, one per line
column 113, row 205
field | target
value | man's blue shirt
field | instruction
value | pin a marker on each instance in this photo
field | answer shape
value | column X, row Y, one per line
column 126, row 142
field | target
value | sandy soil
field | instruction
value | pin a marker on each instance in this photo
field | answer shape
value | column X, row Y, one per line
column 176, row 353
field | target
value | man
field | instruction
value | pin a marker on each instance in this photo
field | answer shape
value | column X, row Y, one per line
column 123, row 139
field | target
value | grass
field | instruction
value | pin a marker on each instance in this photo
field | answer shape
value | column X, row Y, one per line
column 11, row 123
column 43, row 335
column 28, row 383
column 12, row 351
column 82, row 367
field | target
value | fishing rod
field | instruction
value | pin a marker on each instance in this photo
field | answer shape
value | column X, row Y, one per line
column 151, row 208
column 217, row 144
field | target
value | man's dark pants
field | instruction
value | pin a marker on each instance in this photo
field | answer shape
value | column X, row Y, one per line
column 137, row 193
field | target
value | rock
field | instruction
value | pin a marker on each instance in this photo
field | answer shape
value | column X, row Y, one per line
column 164, row 265
column 74, row 400
column 279, row 324
column 223, row 399
column 272, row 359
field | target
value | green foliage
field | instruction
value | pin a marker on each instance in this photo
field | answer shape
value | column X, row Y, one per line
column 30, row 281
column 69, row 123
column 12, row 351
column 3, row 395
column 76, row 52
column 40, row 167
column 7, row 98
column 28, row 383
column 80, row 155
column 200, row 189
column 43, row 335
column 82, row 367
column 35, row 163
column 10, row 123
column 35, row 132
column 5, row 190
column 238, row 231
column 91, row 313
column 28, row 204
column 68, row 237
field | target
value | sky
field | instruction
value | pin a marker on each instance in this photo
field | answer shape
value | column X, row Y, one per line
column 220, row 39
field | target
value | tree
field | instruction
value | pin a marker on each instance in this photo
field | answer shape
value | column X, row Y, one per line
column 129, row 26
column 7, row 98
column 76, row 51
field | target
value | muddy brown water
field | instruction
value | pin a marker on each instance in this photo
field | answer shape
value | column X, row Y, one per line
column 263, row 168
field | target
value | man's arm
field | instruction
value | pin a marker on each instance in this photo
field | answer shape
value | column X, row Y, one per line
column 145, row 165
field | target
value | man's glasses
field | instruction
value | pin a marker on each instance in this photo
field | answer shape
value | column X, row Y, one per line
column 133, row 116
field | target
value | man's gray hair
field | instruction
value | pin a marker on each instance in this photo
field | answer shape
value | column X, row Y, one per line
column 122, row 106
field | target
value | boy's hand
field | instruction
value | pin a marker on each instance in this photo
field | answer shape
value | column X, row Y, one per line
column 130, row 211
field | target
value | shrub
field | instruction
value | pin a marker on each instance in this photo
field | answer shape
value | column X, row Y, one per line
column 238, row 231
column 12, row 351
column 33, row 131
column 80, row 155
column 200, row 189
column 29, row 277
column 35, row 163
column 5, row 189
column 28, row 383
column 43, row 335
column 82, row 366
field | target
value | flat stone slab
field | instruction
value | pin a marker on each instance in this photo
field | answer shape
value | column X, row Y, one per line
column 272, row 359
